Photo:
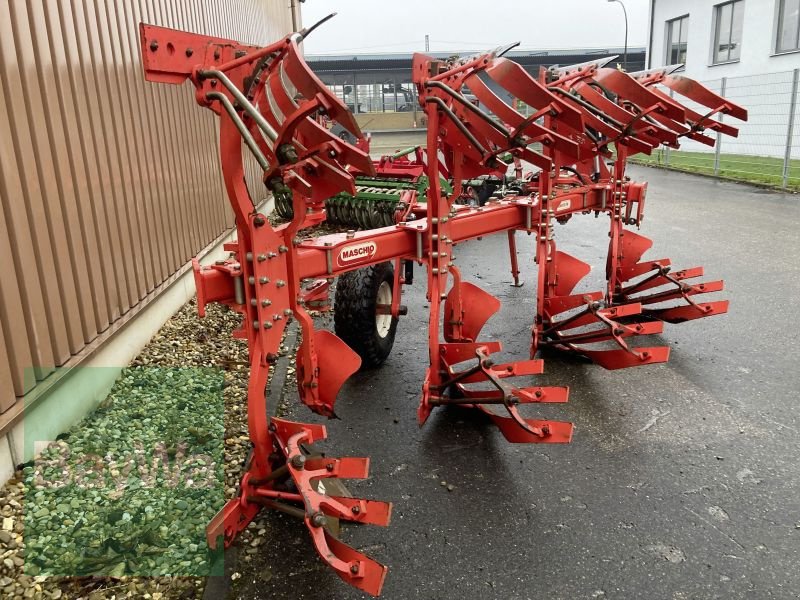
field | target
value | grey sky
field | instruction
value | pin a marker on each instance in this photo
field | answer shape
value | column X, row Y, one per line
column 364, row 26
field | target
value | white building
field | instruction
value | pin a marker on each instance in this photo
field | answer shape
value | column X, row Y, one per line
column 748, row 50
column 725, row 38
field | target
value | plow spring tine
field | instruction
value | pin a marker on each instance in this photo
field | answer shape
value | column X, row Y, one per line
column 528, row 395
column 352, row 566
column 509, row 400
column 702, row 95
column 632, row 129
column 627, row 88
column 655, row 280
column 681, row 314
column 288, row 87
column 343, row 468
column 704, row 121
column 369, row 512
column 684, row 291
column 622, row 359
column 605, row 335
column 639, row 269
column 513, row 78
column 534, row 431
column 659, row 278
column 515, row 369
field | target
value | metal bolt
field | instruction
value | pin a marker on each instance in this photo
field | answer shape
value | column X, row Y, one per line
column 251, row 280
column 263, row 280
column 271, row 255
column 255, row 324
column 319, row 520
column 280, row 283
column 351, row 234
column 355, row 510
column 276, row 317
column 253, row 302
column 189, row 52
column 266, row 302
column 299, row 461
column 287, row 311
column 153, row 46
column 354, row 568
column 267, row 325
column 262, row 257
column 282, row 248
column 249, row 256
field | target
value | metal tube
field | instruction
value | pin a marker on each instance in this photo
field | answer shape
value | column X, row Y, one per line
column 238, row 290
column 459, row 125
column 469, row 106
column 247, row 107
column 719, row 135
column 243, row 130
column 787, row 157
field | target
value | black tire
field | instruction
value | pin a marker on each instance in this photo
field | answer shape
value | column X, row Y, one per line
column 355, row 319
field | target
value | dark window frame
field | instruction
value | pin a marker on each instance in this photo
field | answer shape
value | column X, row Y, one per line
column 716, row 55
column 683, row 25
column 780, row 5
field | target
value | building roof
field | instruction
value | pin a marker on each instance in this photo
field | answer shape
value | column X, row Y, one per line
column 394, row 61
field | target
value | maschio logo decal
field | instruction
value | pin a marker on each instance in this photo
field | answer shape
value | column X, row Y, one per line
column 563, row 205
column 357, row 252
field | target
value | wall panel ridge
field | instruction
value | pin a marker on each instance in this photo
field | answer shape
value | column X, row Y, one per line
column 108, row 184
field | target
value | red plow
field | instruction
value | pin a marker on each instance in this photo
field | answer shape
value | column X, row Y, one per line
column 584, row 123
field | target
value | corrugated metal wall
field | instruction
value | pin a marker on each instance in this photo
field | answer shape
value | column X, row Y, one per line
column 108, row 184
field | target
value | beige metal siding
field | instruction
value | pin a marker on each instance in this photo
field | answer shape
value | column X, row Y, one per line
column 108, row 184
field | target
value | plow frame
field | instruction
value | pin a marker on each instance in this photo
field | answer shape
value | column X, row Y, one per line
column 586, row 121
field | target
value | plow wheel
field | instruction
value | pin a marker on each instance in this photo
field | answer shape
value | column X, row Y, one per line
column 362, row 312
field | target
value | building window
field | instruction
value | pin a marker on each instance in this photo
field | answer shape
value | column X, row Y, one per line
column 788, row 26
column 677, row 34
column 728, row 20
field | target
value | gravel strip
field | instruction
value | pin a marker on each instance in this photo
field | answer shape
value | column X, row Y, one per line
column 93, row 518
column 185, row 395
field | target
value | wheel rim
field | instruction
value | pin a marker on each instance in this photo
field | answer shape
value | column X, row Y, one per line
column 383, row 322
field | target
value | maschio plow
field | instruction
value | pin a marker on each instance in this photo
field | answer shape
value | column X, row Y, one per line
column 566, row 156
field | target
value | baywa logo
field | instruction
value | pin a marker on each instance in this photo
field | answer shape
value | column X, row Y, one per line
column 357, row 252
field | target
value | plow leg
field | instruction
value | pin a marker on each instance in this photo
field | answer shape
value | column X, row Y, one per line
column 512, row 250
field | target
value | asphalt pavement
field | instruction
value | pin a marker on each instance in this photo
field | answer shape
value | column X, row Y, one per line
column 682, row 480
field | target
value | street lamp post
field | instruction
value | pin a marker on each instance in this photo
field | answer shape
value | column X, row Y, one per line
column 624, row 12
